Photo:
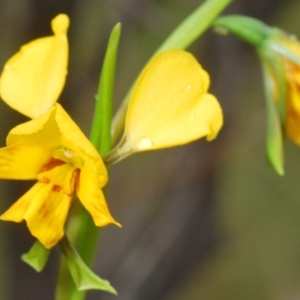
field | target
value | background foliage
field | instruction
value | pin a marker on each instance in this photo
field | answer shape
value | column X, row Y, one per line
column 205, row 221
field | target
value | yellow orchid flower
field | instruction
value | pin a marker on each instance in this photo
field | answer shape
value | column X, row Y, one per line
column 32, row 79
column 53, row 150
column 169, row 106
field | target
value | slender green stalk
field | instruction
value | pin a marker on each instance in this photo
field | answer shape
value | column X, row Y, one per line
column 249, row 29
column 65, row 287
column 182, row 37
column 81, row 229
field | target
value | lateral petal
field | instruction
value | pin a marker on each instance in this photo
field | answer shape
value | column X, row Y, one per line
column 32, row 79
column 45, row 210
column 23, row 161
column 46, row 214
column 17, row 211
column 42, row 130
column 91, row 196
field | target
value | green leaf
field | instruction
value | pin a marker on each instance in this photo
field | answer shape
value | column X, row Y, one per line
column 37, row 256
column 278, row 71
column 101, row 127
column 275, row 151
column 83, row 277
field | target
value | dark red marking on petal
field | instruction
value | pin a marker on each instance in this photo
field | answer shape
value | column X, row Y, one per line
column 51, row 164
column 56, row 188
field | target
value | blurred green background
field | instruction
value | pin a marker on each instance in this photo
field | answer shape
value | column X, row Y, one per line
column 203, row 221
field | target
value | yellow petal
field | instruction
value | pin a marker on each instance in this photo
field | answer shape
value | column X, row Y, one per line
column 290, row 43
column 56, row 130
column 90, row 194
column 293, row 113
column 42, row 130
column 170, row 105
column 33, row 79
column 292, row 129
column 292, row 76
column 47, row 214
column 23, row 161
column 45, row 209
column 17, row 211
column 205, row 119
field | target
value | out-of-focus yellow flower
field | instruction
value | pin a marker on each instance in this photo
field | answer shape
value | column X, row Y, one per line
column 32, row 79
column 53, row 150
column 169, row 106
column 280, row 57
column 292, row 75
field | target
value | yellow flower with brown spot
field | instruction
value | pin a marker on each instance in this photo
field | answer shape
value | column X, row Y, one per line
column 33, row 78
column 53, row 150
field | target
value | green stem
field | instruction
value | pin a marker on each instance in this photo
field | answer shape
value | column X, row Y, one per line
column 249, row 29
column 65, row 287
column 81, row 228
column 182, row 37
